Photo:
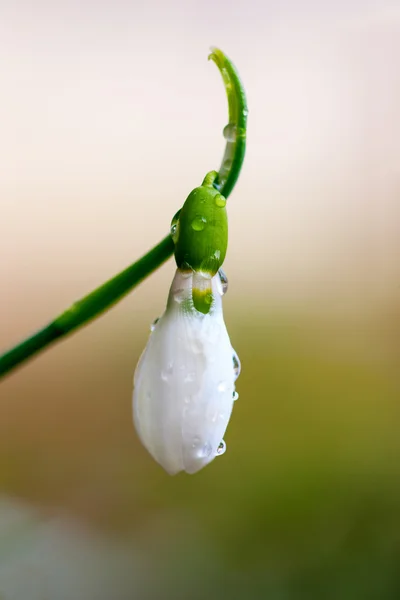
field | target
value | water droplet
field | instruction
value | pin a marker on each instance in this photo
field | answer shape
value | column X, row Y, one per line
column 222, row 386
column 224, row 281
column 205, row 451
column 189, row 377
column 207, row 266
column 208, row 299
column 236, row 365
column 220, row 201
column 230, row 132
column 154, row 323
column 199, row 223
column 179, row 295
column 226, row 165
column 235, row 396
column 174, row 230
column 186, row 270
column 221, row 449
column 167, row 372
column 245, row 112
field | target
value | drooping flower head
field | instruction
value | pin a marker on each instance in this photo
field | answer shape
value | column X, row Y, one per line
column 184, row 385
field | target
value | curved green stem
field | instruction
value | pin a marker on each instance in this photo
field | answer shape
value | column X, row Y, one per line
column 89, row 307
column 101, row 299
column 235, row 131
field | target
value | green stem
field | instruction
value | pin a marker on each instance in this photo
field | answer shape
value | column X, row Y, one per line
column 89, row 307
column 235, row 131
column 101, row 299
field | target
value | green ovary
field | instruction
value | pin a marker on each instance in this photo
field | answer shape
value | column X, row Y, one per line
column 203, row 230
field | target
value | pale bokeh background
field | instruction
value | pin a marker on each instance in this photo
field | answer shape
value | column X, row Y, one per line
column 109, row 115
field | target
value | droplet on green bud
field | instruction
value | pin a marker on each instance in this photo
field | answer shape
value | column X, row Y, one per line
column 220, row 201
column 200, row 230
column 199, row 223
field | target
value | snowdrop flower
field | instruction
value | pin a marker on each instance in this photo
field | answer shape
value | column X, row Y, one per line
column 184, row 384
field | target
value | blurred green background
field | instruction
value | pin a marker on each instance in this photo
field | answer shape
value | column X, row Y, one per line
column 110, row 115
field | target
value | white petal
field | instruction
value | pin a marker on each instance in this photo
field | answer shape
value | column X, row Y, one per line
column 184, row 382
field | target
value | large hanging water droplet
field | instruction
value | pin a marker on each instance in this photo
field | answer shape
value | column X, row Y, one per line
column 220, row 201
column 221, row 449
column 199, row 223
column 236, row 365
column 235, row 396
column 154, row 324
column 224, row 281
column 230, row 132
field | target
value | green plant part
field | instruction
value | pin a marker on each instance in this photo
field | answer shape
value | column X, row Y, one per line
column 216, row 187
column 200, row 234
column 235, row 130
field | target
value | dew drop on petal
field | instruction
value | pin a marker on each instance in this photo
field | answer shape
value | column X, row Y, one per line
column 222, row 386
column 167, row 372
column 199, row 223
column 221, row 449
column 205, row 451
column 235, row 396
column 236, row 364
column 154, row 323
column 208, row 298
column 189, row 377
column 224, row 281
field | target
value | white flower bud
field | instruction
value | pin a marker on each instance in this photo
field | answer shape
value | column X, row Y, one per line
column 184, row 384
